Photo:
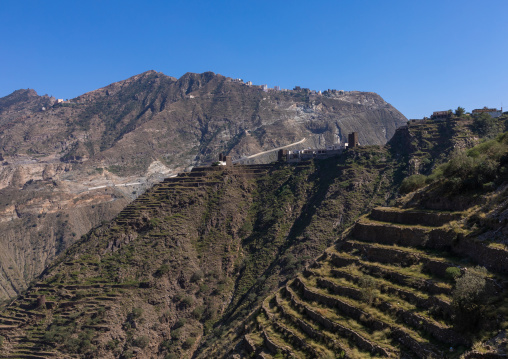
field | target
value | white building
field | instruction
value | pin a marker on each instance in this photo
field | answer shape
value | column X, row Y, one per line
column 493, row 112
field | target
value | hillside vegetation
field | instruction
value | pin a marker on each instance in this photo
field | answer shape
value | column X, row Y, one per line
column 110, row 145
column 418, row 279
column 197, row 250
column 222, row 261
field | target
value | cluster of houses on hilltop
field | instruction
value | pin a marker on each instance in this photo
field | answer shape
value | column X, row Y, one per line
column 265, row 88
column 493, row 112
column 319, row 153
column 302, row 155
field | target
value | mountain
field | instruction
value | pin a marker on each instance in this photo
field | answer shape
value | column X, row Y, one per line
column 154, row 116
column 316, row 259
column 69, row 165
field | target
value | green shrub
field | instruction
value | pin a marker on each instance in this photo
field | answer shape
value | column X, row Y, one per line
column 141, row 342
column 82, row 344
column 464, row 172
column 468, row 298
column 179, row 297
column 58, row 332
column 252, row 297
column 203, row 288
column 187, row 301
column 494, row 149
column 180, row 323
column 480, row 168
column 412, row 183
column 163, row 269
column 136, row 313
column 166, row 343
column 368, row 288
column 154, row 222
column 128, row 354
column 197, row 276
column 485, row 125
column 198, row 312
column 176, row 334
column 188, row 343
column 112, row 344
column 453, row 272
column 246, row 229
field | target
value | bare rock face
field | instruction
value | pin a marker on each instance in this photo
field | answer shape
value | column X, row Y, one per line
column 88, row 157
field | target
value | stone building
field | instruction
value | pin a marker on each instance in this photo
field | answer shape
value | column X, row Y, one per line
column 441, row 115
column 352, row 140
column 493, row 112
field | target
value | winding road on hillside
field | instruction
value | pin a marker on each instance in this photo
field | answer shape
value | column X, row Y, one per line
column 274, row 149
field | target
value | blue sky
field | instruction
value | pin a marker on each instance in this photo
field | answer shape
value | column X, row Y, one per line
column 420, row 56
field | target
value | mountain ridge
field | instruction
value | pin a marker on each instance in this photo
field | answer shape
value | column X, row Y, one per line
column 128, row 135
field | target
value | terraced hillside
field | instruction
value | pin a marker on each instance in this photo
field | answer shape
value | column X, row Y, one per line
column 78, row 299
column 131, row 134
column 382, row 291
column 209, row 264
column 430, row 142
column 191, row 255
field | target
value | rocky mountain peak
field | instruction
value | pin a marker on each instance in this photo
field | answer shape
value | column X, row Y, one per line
column 18, row 96
column 191, row 82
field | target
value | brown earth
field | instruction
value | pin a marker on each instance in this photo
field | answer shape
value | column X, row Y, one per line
column 139, row 131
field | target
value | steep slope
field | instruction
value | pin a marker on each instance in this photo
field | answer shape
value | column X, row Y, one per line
column 197, row 249
column 131, row 134
column 384, row 290
column 183, row 270
column 413, row 280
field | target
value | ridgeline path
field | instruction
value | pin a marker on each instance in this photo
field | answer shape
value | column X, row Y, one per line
column 274, row 149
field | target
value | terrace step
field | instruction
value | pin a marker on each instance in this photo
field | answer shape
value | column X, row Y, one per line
column 294, row 335
column 335, row 327
column 413, row 216
column 415, row 297
column 399, row 333
column 408, row 316
column 286, row 339
column 404, row 257
column 316, row 333
column 421, row 281
column 273, row 343
column 407, row 236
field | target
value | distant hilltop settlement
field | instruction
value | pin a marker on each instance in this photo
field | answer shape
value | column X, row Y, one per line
column 335, row 149
column 308, row 154
column 265, row 88
column 443, row 115
column 302, row 155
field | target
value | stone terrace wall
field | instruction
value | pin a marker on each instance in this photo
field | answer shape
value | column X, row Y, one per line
column 434, row 219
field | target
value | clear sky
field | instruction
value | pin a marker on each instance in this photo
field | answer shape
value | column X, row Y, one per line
column 420, row 56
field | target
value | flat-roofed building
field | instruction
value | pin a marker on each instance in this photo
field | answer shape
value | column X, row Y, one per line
column 441, row 114
column 493, row 112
